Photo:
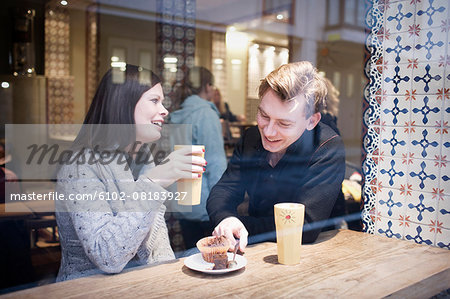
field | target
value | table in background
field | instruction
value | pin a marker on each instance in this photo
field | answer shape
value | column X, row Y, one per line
column 242, row 126
column 21, row 211
column 341, row 263
column 35, row 215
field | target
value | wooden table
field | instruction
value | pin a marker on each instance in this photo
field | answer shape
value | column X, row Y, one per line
column 340, row 264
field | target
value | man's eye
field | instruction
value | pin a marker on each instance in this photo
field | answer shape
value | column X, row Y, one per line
column 285, row 125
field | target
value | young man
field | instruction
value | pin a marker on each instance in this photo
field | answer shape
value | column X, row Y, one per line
column 288, row 157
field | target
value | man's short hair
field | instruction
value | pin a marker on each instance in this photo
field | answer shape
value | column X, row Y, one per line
column 297, row 78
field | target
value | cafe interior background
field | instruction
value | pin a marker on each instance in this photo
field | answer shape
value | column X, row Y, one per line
column 388, row 59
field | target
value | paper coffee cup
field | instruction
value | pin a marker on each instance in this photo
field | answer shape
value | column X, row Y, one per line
column 191, row 187
column 289, row 218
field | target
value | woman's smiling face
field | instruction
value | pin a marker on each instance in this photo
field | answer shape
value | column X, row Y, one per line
column 149, row 114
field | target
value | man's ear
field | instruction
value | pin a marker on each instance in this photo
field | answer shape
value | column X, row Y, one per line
column 313, row 120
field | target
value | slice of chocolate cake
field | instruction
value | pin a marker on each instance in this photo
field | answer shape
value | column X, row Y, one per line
column 220, row 261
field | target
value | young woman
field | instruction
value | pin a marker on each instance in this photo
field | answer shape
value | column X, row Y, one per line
column 113, row 213
column 193, row 106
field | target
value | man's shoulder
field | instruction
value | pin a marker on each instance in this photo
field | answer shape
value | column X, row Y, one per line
column 252, row 131
column 251, row 136
column 329, row 145
column 325, row 134
column 249, row 143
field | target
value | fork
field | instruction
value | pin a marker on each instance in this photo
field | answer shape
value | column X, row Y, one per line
column 233, row 262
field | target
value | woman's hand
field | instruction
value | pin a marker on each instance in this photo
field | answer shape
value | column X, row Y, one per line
column 180, row 164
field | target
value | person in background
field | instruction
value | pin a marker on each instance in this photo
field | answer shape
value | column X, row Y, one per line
column 15, row 253
column 329, row 116
column 7, row 175
column 119, row 226
column 224, row 108
column 193, row 106
column 290, row 156
column 331, row 110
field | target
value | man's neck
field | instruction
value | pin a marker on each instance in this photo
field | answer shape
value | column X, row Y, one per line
column 274, row 158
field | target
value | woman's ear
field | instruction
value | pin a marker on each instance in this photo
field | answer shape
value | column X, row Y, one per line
column 313, row 120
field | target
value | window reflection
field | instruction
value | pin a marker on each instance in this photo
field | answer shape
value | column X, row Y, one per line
column 75, row 43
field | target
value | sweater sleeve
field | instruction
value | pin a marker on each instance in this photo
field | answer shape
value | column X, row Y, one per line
column 318, row 192
column 162, row 250
column 110, row 232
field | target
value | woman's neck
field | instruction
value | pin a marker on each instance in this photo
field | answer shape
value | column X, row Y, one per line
column 133, row 149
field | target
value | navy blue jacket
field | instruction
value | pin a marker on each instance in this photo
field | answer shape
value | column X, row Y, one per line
column 311, row 172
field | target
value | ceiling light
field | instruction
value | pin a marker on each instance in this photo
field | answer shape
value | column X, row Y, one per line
column 170, row 59
column 120, row 64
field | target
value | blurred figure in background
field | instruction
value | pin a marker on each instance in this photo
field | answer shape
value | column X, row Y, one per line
column 193, row 106
column 15, row 257
column 329, row 116
column 224, row 108
column 7, row 175
column 331, row 109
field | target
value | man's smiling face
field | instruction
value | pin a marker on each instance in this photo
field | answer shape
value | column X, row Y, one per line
column 282, row 123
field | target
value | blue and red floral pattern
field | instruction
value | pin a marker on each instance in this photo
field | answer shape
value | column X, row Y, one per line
column 406, row 121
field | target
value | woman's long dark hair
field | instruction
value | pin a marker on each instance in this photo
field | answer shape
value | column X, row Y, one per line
column 194, row 82
column 118, row 93
column 112, row 108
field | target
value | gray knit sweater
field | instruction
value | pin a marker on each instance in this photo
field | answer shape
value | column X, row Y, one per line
column 99, row 236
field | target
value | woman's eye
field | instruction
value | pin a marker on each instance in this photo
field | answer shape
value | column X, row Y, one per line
column 154, row 101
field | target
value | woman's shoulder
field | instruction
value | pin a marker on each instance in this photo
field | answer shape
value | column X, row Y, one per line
column 78, row 161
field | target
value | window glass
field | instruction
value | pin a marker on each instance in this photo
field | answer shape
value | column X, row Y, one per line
column 350, row 12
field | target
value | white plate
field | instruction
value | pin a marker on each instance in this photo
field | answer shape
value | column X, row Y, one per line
column 196, row 262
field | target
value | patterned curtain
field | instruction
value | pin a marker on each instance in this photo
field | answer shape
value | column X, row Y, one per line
column 57, row 66
column 92, row 52
column 176, row 52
